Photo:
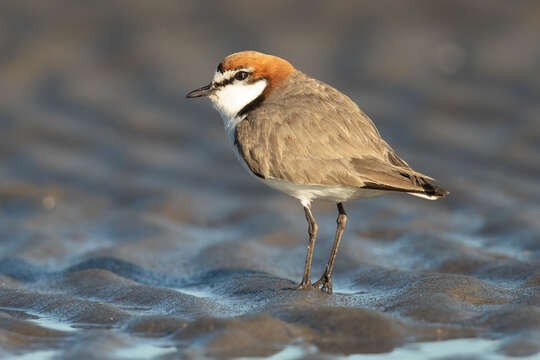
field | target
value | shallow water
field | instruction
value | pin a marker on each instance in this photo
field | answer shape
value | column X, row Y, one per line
column 449, row 349
column 128, row 229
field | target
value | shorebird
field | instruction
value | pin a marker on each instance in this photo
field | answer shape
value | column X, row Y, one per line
column 308, row 140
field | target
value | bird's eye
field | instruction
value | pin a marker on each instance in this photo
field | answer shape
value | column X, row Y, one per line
column 241, row 75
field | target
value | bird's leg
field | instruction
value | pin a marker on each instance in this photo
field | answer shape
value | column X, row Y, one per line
column 326, row 280
column 312, row 231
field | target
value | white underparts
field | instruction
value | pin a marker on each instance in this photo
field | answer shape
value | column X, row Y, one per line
column 308, row 193
column 232, row 98
column 337, row 193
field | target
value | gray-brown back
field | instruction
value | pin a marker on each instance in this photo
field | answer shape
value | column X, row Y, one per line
column 307, row 132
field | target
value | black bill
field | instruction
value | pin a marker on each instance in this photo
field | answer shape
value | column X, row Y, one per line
column 204, row 91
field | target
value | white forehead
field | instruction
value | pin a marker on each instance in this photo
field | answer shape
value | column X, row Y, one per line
column 228, row 74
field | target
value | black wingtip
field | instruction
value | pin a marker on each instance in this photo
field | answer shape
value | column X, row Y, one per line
column 433, row 190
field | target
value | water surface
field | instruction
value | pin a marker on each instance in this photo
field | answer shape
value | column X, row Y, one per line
column 129, row 230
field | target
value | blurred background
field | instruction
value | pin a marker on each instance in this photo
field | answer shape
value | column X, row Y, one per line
column 102, row 156
column 93, row 92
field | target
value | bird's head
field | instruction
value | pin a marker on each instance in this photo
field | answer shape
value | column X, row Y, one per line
column 242, row 78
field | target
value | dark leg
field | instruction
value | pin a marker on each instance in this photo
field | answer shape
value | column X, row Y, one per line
column 312, row 231
column 326, row 280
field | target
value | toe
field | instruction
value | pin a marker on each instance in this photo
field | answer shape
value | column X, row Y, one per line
column 304, row 286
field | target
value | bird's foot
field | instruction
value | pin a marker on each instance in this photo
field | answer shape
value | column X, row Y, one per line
column 325, row 282
column 304, row 285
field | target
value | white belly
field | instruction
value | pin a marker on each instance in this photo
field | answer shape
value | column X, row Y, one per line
column 308, row 193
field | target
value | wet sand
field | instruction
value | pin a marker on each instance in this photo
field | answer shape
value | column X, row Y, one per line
column 129, row 230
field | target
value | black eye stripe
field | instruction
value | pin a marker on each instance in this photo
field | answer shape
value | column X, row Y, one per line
column 224, row 82
column 231, row 79
column 220, row 68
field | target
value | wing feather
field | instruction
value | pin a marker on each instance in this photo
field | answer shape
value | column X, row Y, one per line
column 310, row 133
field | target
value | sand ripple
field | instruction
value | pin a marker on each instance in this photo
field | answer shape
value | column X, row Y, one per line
column 128, row 229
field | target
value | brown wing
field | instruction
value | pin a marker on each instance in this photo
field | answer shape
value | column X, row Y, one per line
column 307, row 132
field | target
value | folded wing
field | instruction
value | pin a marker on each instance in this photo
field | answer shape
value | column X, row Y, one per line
column 310, row 133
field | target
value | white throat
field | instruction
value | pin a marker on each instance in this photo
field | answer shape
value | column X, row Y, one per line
column 232, row 98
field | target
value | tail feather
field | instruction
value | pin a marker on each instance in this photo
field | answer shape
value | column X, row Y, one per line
column 395, row 175
column 430, row 191
column 424, row 196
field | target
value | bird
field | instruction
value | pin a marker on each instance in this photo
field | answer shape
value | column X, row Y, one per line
column 305, row 138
